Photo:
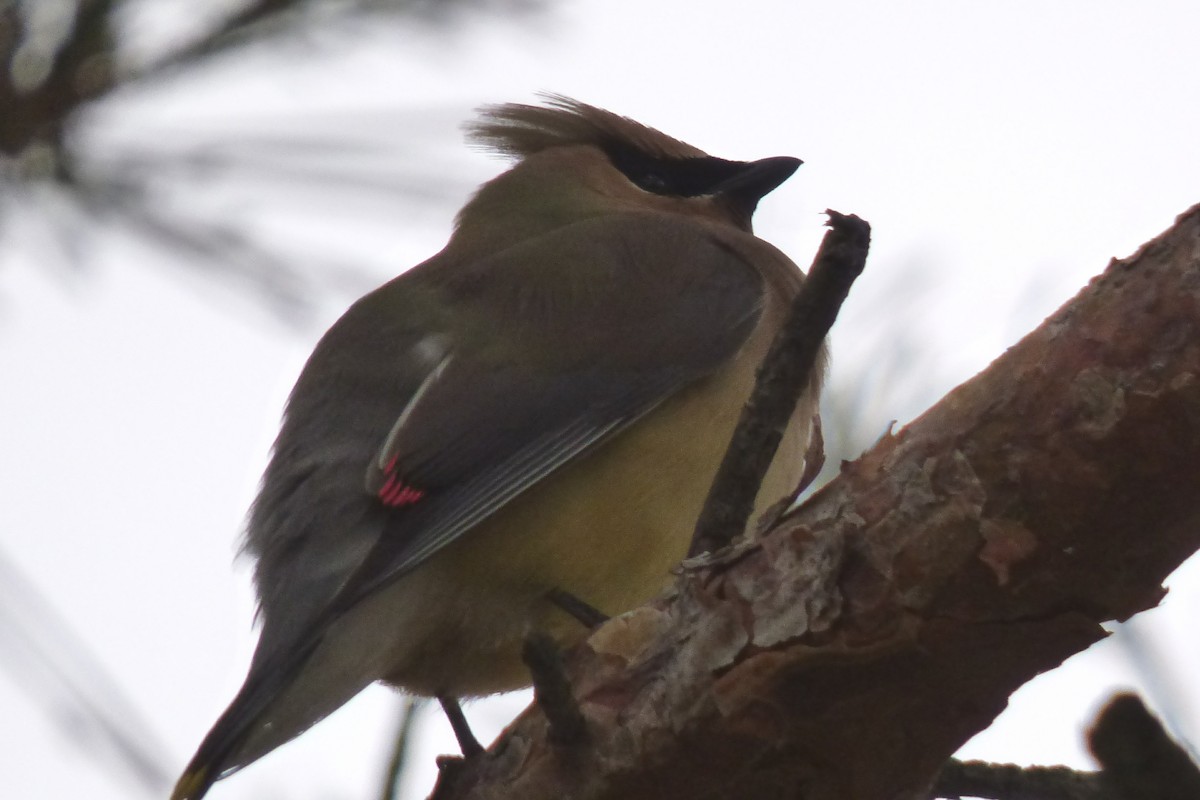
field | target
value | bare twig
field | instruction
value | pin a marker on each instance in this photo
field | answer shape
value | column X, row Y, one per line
column 398, row 760
column 784, row 373
column 1138, row 758
column 981, row 779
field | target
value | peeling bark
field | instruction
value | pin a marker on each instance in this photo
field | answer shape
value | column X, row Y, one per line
column 855, row 646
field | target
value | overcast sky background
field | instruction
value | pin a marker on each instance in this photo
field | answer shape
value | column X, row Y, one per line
column 1002, row 152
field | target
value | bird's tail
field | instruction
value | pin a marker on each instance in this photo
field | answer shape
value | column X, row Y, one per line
column 224, row 750
column 281, row 698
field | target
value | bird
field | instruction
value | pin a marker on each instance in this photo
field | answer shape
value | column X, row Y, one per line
column 523, row 425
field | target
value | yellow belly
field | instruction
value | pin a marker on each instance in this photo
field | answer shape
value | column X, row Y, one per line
column 608, row 529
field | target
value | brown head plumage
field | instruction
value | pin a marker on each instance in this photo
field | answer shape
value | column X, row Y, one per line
column 519, row 130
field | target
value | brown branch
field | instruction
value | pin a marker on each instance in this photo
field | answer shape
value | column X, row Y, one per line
column 1138, row 758
column 785, row 372
column 1012, row 782
column 856, row 646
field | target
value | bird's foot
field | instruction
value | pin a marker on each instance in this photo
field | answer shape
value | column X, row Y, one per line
column 552, row 690
column 589, row 616
column 462, row 730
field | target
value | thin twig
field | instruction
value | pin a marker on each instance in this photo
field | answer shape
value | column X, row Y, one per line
column 400, row 747
column 784, row 373
column 1138, row 758
column 1012, row 782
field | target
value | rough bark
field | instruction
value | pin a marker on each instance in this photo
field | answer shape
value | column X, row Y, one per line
column 853, row 648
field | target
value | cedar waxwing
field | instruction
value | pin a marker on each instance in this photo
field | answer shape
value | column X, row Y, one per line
column 534, row 413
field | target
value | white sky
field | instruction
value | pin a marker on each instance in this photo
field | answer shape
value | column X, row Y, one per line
column 1003, row 153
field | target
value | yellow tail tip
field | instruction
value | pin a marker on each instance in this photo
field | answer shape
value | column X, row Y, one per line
column 192, row 785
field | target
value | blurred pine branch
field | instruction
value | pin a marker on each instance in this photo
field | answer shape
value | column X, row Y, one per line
column 66, row 63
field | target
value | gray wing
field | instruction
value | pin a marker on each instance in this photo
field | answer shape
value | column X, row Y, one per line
column 651, row 305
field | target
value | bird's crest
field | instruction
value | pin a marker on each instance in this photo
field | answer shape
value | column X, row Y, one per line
column 519, row 130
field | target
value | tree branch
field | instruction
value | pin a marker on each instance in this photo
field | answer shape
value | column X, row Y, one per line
column 1012, row 782
column 849, row 652
column 1139, row 759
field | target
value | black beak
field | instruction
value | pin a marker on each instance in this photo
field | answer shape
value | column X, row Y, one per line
column 756, row 179
column 753, row 181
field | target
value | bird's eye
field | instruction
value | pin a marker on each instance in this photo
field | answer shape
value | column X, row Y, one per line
column 649, row 173
column 652, row 182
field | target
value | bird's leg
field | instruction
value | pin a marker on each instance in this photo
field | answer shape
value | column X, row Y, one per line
column 552, row 689
column 458, row 722
column 589, row 616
